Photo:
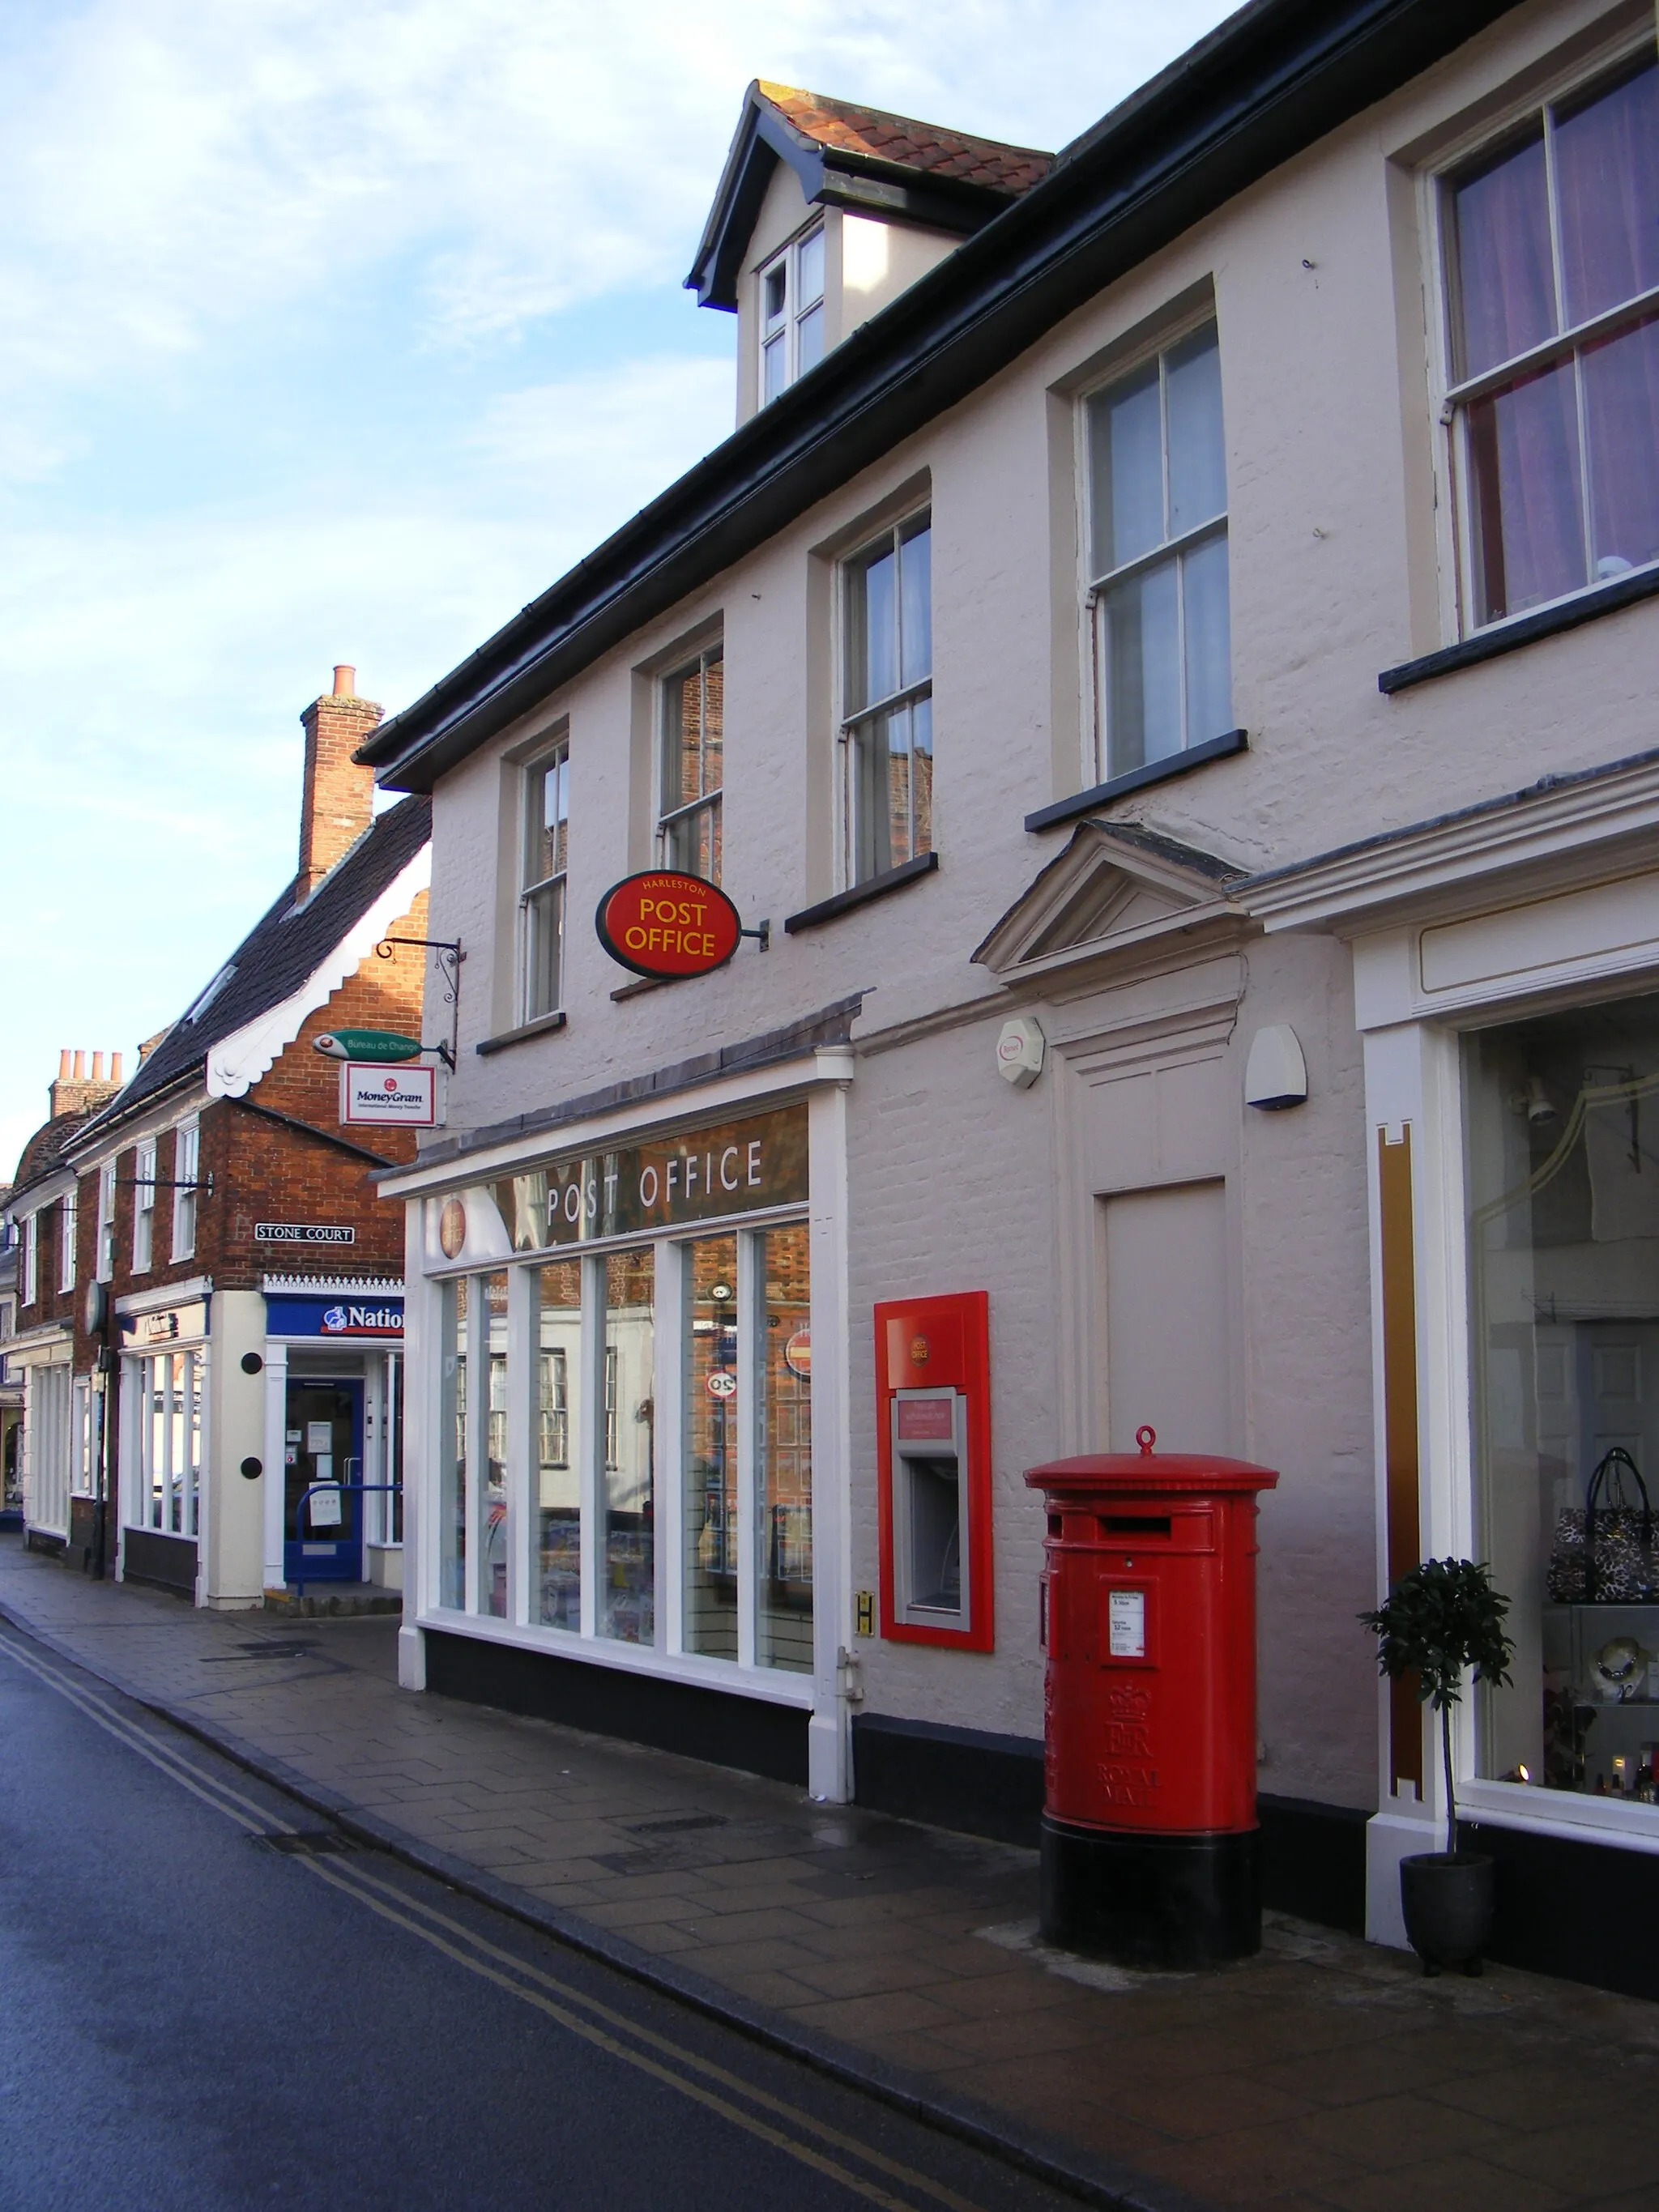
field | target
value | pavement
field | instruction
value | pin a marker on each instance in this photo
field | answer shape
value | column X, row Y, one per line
column 1326, row 2073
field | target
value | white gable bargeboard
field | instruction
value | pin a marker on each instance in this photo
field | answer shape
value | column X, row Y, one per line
column 236, row 1062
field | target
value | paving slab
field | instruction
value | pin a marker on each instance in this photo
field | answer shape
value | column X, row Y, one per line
column 1326, row 2076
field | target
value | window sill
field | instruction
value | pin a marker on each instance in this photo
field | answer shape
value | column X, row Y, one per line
column 1524, row 630
column 891, row 879
column 641, row 984
column 1137, row 779
column 544, row 1025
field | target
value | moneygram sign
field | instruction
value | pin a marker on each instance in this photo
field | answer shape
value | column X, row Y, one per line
column 375, row 1094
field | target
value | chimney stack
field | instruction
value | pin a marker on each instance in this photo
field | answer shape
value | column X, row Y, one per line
column 77, row 1092
column 338, row 798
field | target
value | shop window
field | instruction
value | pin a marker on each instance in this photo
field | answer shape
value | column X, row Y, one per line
column 50, row 1416
column 1551, row 249
column 628, row 1595
column 713, row 1545
column 495, row 1530
column 783, row 1481
column 1562, row 1174
column 791, row 313
column 558, row 1432
column 453, row 1443
column 167, row 1494
column 143, row 1208
column 541, row 899
column 1158, row 559
column 693, row 747
column 887, row 725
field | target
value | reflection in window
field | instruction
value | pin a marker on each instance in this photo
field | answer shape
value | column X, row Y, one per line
column 887, row 731
column 493, row 1536
column 452, row 1463
column 783, row 1482
column 627, row 1598
column 541, row 901
column 693, row 754
column 1158, row 555
column 1552, row 245
column 713, row 1550
column 1563, row 1163
column 558, row 1488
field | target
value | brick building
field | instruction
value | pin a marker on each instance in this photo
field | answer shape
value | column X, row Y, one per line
column 207, row 1234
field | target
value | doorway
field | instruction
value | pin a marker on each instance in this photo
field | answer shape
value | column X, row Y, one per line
column 324, row 1434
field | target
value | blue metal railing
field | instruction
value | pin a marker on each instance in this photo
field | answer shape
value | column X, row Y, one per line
column 392, row 1489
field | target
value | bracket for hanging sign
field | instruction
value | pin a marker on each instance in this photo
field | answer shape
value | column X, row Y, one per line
column 449, row 956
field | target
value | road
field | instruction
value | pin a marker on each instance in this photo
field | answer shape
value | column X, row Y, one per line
column 205, row 2002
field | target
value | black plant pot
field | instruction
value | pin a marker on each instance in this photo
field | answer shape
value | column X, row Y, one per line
column 1447, row 1899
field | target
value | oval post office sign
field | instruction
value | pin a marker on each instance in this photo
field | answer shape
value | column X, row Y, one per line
column 664, row 924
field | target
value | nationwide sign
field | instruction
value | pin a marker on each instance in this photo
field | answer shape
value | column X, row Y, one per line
column 334, row 1317
column 302, row 1232
column 372, row 1093
column 664, row 925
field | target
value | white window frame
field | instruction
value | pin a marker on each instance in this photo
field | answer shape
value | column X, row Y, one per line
column 1095, row 589
column 143, row 1208
column 599, row 1416
column 69, row 1230
column 784, row 329
column 538, row 894
column 1450, row 395
column 49, row 1438
column 711, row 802
column 848, row 721
column 29, row 1267
column 187, row 1171
column 170, row 1413
column 105, row 1261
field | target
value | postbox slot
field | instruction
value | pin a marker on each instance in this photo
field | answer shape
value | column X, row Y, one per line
column 1139, row 1525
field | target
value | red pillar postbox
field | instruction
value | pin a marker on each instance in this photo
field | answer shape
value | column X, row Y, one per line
column 1151, row 1851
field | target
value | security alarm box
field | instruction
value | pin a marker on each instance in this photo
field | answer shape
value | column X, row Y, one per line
column 933, row 1457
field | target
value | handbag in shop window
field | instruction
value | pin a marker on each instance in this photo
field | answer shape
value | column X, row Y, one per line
column 1603, row 1550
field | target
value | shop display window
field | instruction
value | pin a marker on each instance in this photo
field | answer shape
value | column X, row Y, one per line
column 170, row 1442
column 628, row 1600
column 494, row 1533
column 784, row 1450
column 730, row 1472
column 713, row 1542
column 558, row 1582
column 1563, row 1172
column 452, row 1446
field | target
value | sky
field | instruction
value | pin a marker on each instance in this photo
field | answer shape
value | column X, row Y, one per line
column 337, row 330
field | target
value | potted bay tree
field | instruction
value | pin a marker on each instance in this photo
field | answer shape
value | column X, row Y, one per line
column 1440, row 1620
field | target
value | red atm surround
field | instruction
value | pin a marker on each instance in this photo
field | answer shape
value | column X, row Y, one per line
column 933, row 1405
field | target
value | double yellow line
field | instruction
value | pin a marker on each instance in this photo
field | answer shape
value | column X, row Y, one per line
column 760, row 2114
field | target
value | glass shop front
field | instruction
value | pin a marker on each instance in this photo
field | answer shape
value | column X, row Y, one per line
column 625, row 1420
column 1562, row 1155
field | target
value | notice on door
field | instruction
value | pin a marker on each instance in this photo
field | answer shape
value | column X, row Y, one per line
column 324, row 1509
column 1125, row 1624
column 319, row 1437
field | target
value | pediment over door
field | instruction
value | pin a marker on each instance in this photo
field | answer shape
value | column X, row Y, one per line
column 1117, row 893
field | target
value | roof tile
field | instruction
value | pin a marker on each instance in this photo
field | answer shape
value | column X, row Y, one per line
column 847, row 128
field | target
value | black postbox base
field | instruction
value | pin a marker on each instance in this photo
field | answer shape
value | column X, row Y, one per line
column 1152, row 1901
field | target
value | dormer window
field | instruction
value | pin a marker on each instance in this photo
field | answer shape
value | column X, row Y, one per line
column 791, row 313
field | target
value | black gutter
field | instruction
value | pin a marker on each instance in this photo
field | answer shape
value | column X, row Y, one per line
column 1274, row 78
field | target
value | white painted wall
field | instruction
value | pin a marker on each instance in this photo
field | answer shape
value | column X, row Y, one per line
column 954, row 1182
